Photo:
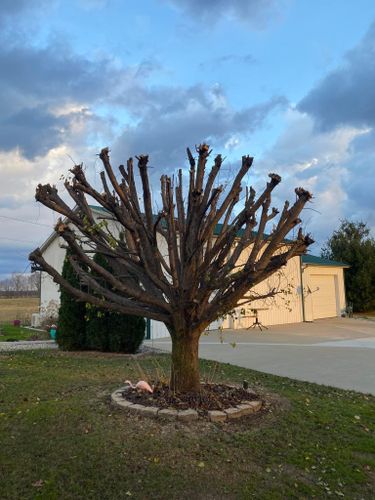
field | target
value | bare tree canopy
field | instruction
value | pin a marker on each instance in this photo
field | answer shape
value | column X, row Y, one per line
column 182, row 265
column 21, row 282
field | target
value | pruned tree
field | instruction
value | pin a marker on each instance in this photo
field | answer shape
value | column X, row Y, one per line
column 173, row 266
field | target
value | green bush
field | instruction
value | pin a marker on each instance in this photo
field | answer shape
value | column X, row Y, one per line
column 126, row 333
column 110, row 331
column 96, row 329
column 70, row 334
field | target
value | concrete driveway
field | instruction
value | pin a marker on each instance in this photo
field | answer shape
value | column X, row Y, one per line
column 339, row 352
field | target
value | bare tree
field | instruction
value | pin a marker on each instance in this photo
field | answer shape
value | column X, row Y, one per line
column 34, row 282
column 17, row 282
column 177, row 266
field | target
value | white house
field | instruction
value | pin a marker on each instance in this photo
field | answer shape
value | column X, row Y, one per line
column 311, row 288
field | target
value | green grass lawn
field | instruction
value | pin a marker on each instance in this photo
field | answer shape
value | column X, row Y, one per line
column 61, row 438
column 10, row 332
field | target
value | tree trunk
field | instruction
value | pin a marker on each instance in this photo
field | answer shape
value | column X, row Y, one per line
column 185, row 364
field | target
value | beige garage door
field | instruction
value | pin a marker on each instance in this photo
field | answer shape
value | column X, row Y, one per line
column 323, row 296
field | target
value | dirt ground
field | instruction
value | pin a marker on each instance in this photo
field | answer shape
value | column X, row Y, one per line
column 18, row 308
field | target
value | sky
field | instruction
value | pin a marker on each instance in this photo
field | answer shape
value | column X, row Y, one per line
column 290, row 82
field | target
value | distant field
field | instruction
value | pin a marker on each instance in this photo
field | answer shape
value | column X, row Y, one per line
column 18, row 308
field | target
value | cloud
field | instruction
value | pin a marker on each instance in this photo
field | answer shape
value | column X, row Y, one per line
column 10, row 8
column 94, row 4
column 361, row 184
column 37, row 83
column 255, row 13
column 12, row 258
column 334, row 165
column 241, row 60
column 53, row 73
column 179, row 117
column 24, row 223
column 346, row 96
column 20, row 17
column 341, row 111
column 34, row 131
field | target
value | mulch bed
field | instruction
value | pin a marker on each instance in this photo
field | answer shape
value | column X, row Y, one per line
column 211, row 397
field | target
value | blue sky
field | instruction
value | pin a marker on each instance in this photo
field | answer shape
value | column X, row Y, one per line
column 290, row 82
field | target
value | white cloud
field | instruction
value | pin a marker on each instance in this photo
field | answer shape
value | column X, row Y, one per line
column 255, row 13
column 327, row 164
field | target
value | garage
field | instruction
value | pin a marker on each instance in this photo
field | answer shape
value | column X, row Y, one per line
column 323, row 294
column 323, row 287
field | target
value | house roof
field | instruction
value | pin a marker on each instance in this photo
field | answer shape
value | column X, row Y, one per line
column 98, row 208
column 219, row 228
column 313, row 260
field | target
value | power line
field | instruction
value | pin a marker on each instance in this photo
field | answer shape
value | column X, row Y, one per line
column 29, row 264
column 25, row 221
column 19, row 241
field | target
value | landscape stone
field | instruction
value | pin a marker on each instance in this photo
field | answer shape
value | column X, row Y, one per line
column 150, row 410
column 187, row 415
column 168, row 413
column 257, row 405
column 137, row 407
column 124, row 403
column 233, row 413
column 217, row 416
column 246, row 409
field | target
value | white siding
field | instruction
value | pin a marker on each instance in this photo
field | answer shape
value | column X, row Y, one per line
column 158, row 330
column 284, row 307
column 50, row 291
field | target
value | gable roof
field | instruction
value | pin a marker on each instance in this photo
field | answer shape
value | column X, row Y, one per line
column 313, row 260
column 306, row 259
column 217, row 230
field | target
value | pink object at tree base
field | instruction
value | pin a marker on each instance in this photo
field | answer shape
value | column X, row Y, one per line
column 142, row 385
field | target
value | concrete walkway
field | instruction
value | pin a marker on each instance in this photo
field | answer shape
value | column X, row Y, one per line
column 339, row 352
column 27, row 345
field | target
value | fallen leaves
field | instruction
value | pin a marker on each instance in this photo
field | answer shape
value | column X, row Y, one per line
column 38, row 484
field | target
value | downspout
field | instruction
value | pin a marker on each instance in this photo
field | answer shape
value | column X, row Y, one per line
column 148, row 329
column 40, row 290
column 302, row 292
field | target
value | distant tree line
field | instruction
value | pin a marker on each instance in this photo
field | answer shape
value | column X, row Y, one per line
column 353, row 244
column 9, row 294
column 20, row 282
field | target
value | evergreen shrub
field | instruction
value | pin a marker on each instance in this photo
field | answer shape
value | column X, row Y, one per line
column 70, row 334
